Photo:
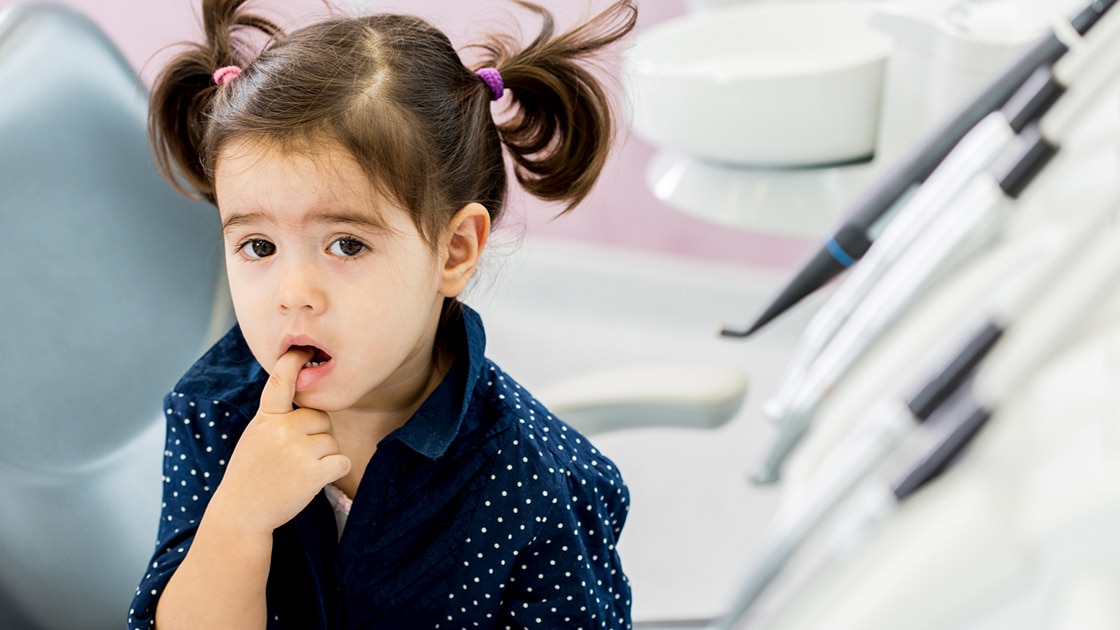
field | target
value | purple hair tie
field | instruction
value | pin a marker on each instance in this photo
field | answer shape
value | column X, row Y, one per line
column 493, row 79
column 224, row 75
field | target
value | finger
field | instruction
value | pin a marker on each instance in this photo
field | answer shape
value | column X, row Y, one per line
column 280, row 390
column 311, row 421
column 334, row 467
column 321, row 445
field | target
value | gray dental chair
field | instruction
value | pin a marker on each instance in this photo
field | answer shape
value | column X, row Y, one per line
column 109, row 289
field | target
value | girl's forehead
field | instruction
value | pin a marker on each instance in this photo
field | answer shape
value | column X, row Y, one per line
column 257, row 176
column 259, row 157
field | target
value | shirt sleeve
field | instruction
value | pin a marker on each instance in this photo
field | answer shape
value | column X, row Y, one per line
column 570, row 574
column 198, row 445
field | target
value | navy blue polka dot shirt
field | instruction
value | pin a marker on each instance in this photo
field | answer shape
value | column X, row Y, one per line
column 482, row 511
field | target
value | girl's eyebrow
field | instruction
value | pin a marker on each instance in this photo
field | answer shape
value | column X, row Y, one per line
column 246, row 218
column 355, row 219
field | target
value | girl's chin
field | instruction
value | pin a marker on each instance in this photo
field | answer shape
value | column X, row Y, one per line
column 320, row 400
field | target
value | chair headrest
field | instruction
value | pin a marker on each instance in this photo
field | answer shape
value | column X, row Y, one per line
column 108, row 277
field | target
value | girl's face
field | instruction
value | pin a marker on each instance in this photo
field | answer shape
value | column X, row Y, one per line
column 316, row 257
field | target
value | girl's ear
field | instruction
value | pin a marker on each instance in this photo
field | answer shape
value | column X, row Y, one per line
column 466, row 238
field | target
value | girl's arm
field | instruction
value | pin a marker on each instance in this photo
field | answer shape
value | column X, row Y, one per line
column 221, row 582
column 282, row 460
column 570, row 575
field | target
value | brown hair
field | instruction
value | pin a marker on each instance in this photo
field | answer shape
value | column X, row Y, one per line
column 394, row 92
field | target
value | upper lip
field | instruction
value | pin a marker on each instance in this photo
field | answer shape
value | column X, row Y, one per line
column 301, row 340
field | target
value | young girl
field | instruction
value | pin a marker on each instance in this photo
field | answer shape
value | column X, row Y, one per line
column 347, row 457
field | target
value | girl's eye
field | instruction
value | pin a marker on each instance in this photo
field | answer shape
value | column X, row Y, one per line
column 347, row 247
column 258, row 248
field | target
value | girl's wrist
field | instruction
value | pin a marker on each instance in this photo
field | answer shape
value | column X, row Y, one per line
column 232, row 520
column 227, row 565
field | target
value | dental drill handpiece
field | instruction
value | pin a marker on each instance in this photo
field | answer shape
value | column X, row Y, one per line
column 846, row 466
column 970, row 220
column 1088, row 70
column 1033, row 333
column 974, row 153
column 852, row 239
column 1031, row 339
column 967, row 224
column 853, row 458
column 977, row 150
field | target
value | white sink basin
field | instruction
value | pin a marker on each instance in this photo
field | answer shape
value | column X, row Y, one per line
column 770, row 83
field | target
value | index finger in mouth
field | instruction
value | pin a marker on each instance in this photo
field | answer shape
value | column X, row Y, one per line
column 280, row 390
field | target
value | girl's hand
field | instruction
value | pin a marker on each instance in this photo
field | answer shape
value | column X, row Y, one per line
column 284, row 458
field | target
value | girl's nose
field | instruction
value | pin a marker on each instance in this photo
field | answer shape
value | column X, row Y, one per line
column 300, row 288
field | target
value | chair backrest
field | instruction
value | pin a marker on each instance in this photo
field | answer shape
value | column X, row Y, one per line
column 110, row 286
column 107, row 276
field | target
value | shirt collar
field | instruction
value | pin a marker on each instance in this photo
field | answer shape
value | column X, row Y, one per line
column 435, row 424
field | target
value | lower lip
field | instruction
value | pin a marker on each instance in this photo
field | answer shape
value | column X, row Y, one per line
column 310, row 376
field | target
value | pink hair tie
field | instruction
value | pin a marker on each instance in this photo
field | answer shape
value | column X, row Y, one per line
column 224, row 75
column 493, row 79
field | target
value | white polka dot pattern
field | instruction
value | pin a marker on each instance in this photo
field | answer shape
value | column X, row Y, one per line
column 198, row 445
column 549, row 531
column 512, row 521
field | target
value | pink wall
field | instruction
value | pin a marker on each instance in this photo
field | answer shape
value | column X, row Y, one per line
column 621, row 212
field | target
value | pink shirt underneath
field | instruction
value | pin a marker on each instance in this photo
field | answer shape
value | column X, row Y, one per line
column 341, row 504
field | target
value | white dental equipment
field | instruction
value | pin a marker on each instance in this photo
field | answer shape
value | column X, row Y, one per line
column 851, row 240
column 910, row 217
column 1052, row 294
column 910, row 264
column 1032, row 337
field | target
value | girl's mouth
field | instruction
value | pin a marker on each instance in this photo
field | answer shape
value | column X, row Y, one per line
column 318, row 358
column 317, row 367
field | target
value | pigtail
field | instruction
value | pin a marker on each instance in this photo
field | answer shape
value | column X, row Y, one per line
column 561, row 128
column 184, row 94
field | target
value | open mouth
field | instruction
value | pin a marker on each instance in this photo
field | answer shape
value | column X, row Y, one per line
column 319, row 357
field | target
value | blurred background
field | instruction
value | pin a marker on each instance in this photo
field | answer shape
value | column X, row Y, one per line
column 748, row 128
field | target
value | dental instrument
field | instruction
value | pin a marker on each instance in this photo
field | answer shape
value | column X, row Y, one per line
column 968, row 223
column 1029, row 342
column 850, row 461
column 1033, row 338
column 854, row 237
column 977, row 150
column 849, row 464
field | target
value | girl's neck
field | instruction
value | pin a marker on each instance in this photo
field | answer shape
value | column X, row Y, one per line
column 358, row 431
